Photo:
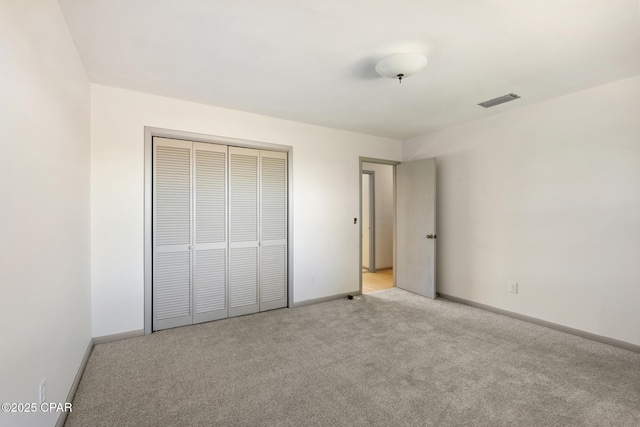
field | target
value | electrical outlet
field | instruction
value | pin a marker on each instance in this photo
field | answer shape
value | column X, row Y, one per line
column 42, row 391
column 513, row 287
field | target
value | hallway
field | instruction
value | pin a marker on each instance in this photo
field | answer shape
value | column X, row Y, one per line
column 378, row 281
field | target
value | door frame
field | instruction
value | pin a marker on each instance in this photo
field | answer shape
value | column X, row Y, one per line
column 372, row 219
column 392, row 163
column 149, row 133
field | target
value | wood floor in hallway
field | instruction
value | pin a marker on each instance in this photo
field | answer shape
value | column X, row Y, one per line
column 378, row 281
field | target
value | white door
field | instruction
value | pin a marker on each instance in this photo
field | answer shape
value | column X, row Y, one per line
column 209, row 248
column 273, row 230
column 189, row 233
column 416, row 226
column 258, row 230
column 243, row 231
column 172, row 299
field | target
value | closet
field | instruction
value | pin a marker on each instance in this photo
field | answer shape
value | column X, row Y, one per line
column 219, row 231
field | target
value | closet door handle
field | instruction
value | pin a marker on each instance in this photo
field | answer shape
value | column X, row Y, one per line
column 190, row 247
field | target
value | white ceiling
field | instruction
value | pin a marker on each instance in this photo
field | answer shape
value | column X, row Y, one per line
column 313, row 61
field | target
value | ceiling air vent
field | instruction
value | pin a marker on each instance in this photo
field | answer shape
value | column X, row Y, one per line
column 499, row 100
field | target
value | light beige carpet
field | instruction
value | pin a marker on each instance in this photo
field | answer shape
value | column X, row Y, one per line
column 388, row 359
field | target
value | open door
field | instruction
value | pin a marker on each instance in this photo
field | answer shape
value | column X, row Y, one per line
column 416, row 227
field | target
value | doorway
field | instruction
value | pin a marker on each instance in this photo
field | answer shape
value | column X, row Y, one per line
column 377, row 226
column 410, row 223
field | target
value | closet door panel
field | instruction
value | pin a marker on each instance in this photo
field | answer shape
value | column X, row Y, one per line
column 243, row 278
column 172, row 304
column 273, row 230
column 273, row 277
column 210, row 232
column 273, row 196
column 210, row 285
column 172, row 293
column 210, row 193
column 243, row 231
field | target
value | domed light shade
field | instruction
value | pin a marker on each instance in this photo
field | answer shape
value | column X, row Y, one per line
column 401, row 65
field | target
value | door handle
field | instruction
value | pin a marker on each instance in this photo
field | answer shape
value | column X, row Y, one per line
column 431, row 236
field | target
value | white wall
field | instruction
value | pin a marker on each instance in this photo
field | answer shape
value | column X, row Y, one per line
column 548, row 196
column 383, row 214
column 325, row 195
column 44, row 212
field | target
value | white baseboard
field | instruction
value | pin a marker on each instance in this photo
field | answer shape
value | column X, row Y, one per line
column 588, row 335
column 76, row 381
column 323, row 299
column 117, row 337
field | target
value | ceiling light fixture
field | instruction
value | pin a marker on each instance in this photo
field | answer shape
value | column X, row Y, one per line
column 401, row 65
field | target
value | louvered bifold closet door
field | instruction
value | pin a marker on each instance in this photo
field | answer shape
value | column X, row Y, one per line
column 210, row 232
column 273, row 230
column 171, row 233
column 243, row 231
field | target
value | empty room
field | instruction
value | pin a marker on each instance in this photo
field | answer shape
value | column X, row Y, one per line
column 300, row 213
